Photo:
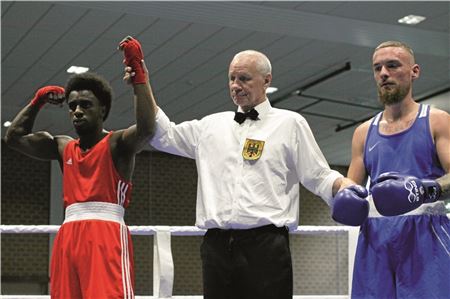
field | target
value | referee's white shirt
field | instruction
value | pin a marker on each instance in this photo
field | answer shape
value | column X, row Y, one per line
column 236, row 193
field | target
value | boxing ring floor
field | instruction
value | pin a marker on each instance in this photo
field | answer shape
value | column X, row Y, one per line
column 163, row 268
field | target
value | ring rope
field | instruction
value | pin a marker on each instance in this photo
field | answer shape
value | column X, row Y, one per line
column 174, row 230
column 163, row 263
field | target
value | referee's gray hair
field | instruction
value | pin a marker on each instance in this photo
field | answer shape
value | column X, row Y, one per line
column 263, row 64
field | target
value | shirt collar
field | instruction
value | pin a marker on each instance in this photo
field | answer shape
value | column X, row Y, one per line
column 262, row 108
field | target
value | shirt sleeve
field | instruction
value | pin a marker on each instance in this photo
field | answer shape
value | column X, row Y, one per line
column 312, row 168
column 178, row 139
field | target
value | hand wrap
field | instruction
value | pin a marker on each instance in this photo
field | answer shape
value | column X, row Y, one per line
column 42, row 95
column 134, row 58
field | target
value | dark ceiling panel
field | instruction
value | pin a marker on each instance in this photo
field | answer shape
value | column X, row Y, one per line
column 188, row 47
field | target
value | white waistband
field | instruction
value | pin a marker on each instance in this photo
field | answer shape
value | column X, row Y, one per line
column 95, row 210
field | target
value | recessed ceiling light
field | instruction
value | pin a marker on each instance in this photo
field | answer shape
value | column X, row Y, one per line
column 271, row 89
column 411, row 20
column 77, row 69
column 6, row 123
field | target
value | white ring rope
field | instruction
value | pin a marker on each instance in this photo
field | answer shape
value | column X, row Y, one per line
column 162, row 253
column 174, row 230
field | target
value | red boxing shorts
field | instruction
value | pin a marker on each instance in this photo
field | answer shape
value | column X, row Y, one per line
column 92, row 254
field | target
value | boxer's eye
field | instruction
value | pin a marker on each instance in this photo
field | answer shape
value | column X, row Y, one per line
column 83, row 105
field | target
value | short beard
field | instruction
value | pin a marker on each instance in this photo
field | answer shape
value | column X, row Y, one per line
column 390, row 97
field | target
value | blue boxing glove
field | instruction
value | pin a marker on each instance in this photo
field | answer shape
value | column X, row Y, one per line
column 350, row 206
column 396, row 194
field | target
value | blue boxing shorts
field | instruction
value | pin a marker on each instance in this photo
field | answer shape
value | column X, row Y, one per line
column 403, row 257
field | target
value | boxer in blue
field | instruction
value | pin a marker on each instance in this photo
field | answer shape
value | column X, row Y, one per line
column 404, row 244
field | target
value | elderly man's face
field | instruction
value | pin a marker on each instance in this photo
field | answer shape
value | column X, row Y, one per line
column 247, row 85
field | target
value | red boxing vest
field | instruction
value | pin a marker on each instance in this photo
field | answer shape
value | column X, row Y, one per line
column 92, row 176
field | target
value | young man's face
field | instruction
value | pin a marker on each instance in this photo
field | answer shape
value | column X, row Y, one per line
column 86, row 112
column 394, row 70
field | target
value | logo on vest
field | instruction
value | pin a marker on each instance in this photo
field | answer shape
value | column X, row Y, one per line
column 69, row 162
column 252, row 149
column 373, row 146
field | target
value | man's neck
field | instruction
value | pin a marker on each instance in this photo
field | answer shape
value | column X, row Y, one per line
column 401, row 110
column 87, row 141
column 248, row 108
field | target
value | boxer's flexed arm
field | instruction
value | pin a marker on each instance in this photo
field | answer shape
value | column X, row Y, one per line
column 39, row 145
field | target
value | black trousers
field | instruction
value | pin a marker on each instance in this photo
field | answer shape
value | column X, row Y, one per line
column 247, row 264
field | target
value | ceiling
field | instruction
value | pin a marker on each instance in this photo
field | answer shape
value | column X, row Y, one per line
column 322, row 49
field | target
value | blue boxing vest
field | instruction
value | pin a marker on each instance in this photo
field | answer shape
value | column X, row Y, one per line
column 411, row 152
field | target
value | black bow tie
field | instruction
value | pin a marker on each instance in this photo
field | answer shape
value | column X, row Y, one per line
column 240, row 117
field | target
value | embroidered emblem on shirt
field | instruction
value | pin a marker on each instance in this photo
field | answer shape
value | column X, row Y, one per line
column 252, row 149
column 69, row 162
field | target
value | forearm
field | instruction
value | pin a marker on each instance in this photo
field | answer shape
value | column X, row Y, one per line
column 444, row 182
column 145, row 109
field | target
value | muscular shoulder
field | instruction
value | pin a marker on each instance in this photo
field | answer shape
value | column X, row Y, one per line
column 361, row 131
column 439, row 116
column 117, row 140
column 61, row 142
column 439, row 121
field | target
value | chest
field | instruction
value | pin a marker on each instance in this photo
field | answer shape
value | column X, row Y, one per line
column 246, row 142
column 394, row 127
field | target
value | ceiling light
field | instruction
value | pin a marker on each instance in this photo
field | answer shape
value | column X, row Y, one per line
column 271, row 89
column 6, row 123
column 411, row 20
column 77, row 69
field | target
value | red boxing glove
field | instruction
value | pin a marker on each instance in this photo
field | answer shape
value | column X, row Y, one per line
column 134, row 58
column 42, row 96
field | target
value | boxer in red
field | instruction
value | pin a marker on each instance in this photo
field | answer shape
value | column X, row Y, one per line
column 93, row 255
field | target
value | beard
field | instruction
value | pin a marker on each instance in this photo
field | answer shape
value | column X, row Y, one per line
column 392, row 96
